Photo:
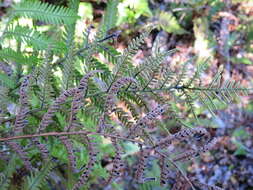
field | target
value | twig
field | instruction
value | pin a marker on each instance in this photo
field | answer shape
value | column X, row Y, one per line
column 67, row 133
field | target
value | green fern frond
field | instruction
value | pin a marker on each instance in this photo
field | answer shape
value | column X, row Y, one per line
column 190, row 102
column 110, row 17
column 69, row 38
column 135, row 98
column 36, row 180
column 6, row 81
column 143, row 71
column 8, row 172
column 8, row 54
column 168, row 78
column 122, row 64
column 4, row 97
column 183, row 74
column 45, row 12
column 96, row 64
column 31, row 37
column 224, row 92
column 131, row 107
column 109, row 52
column 123, row 117
column 67, row 73
column 43, row 79
column 201, row 67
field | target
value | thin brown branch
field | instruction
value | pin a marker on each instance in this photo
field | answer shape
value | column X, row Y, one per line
column 67, row 133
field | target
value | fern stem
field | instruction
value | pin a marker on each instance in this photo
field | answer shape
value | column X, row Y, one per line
column 65, row 134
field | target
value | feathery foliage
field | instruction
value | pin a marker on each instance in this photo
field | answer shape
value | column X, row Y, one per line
column 88, row 114
column 45, row 12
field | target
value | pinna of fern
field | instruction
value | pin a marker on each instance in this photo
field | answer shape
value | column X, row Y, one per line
column 45, row 12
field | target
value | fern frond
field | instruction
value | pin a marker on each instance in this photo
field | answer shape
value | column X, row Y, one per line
column 21, row 153
column 69, row 38
column 114, row 89
column 8, row 54
column 142, row 164
column 117, row 162
column 4, row 99
column 223, row 92
column 88, row 168
column 190, row 102
column 188, row 155
column 109, row 52
column 110, row 17
column 31, row 37
column 77, row 98
column 123, row 117
column 164, row 171
column 201, row 67
column 151, row 116
column 182, row 135
column 36, row 179
column 44, row 79
column 45, row 12
column 21, row 121
column 122, row 62
column 151, row 63
column 131, row 107
column 8, row 172
column 47, row 117
column 70, row 152
column 6, row 81
column 183, row 74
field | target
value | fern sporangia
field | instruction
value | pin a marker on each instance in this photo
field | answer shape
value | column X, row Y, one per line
column 193, row 153
column 181, row 135
column 165, row 171
column 77, row 99
column 142, row 164
column 21, row 122
column 88, row 168
column 47, row 117
column 117, row 162
column 152, row 115
column 19, row 150
column 112, row 104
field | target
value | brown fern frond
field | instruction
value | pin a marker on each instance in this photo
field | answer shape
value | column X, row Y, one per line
column 43, row 149
column 47, row 117
column 152, row 115
column 142, row 164
column 114, row 89
column 117, row 161
column 164, row 168
column 188, row 155
column 79, row 94
column 88, row 168
column 21, row 153
column 71, row 156
column 20, row 121
column 180, row 183
column 182, row 135
column 205, row 186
